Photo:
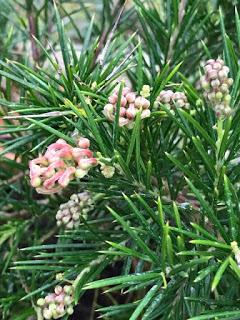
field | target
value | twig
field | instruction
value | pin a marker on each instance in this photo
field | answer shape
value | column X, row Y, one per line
column 181, row 14
column 48, row 235
column 104, row 36
column 32, row 34
column 13, row 215
column 42, row 115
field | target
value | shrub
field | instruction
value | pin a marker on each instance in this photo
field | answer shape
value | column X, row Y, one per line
column 120, row 163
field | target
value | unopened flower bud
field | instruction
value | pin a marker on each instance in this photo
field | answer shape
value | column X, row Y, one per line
column 47, row 314
column 59, row 276
column 145, row 92
column 70, row 310
column 80, row 173
column 58, row 289
column 218, row 93
column 40, row 302
column 113, row 99
column 83, row 143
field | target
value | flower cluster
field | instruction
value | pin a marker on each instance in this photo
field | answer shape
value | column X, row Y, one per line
column 130, row 104
column 173, row 99
column 56, row 305
column 70, row 213
column 60, row 164
column 216, row 86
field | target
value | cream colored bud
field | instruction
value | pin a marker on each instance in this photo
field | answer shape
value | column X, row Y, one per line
column 41, row 302
column 59, row 276
column 47, row 314
column 70, row 310
column 80, row 173
column 58, row 289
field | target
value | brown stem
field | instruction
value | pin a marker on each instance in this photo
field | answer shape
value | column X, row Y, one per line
column 173, row 39
column 107, row 35
column 32, row 34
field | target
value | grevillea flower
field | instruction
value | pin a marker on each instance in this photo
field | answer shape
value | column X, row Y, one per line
column 216, row 84
column 173, row 100
column 56, row 305
column 70, row 213
column 60, row 164
column 130, row 105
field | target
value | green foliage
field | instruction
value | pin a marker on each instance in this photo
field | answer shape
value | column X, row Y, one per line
column 158, row 243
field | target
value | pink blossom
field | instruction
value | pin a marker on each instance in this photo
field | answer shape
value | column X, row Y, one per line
column 130, row 104
column 61, row 164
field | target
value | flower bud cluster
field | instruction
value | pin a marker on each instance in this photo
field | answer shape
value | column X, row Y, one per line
column 130, row 105
column 60, row 164
column 173, row 100
column 70, row 213
column 56, row 305
column 216, row 86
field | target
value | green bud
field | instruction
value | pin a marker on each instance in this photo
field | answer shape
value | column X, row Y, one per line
column 68, row 289
column 70, row 310
column 41, row 302
column 52, row 307
column 227, row 98
column 219, row 95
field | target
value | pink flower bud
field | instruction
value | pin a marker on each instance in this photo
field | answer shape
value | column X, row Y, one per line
column 139, row 102
column 60, row 298
column 131, row 97
column 123, row 121
column 50, row 298
column 146, row 103
column 212, row 74
column 113, row 98
column 58, row 289
column 108, row 111
column 86, row 164
column 210, row 61
column 208, row 68
column 81, row 153
column 123, row 102
column 222, row 74
column 217, row 66
column 122, row 112
column 125, row 91
column 131, row 113
column 83, row 143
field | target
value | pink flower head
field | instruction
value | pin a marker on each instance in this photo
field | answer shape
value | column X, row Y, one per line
column 130, row 104
column 60, row 164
